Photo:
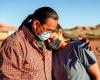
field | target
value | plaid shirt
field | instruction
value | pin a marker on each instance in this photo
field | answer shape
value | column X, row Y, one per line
column 21, row 59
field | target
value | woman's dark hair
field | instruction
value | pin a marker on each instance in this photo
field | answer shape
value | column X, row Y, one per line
column 41, row 14
column 58, row 27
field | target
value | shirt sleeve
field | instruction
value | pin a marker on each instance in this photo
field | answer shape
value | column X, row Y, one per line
column 86, row 56
column 11, row 61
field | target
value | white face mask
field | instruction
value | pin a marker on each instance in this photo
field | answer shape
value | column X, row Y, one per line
column 45, row 36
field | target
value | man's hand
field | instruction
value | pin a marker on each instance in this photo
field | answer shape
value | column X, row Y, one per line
column 88, row 44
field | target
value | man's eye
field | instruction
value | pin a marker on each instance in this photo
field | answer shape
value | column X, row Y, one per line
column 49, row 31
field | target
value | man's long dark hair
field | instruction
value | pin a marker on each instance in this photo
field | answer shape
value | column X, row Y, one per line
column 41, row 14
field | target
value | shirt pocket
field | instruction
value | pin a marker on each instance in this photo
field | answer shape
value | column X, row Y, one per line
column 33, row 62
column 30, row 64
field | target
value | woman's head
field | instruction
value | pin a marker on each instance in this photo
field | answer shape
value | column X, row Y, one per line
column 58, row 33
column 57, row 39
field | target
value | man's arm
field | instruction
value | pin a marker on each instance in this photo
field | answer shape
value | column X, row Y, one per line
column 11, row 62
column 86, row 41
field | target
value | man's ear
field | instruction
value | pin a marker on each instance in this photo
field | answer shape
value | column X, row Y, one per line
column 35, row 24
column 36, row 27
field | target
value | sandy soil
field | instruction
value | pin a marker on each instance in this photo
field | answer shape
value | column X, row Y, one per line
column 96, row 49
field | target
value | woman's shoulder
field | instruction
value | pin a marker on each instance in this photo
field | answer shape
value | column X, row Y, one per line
column 78, row 43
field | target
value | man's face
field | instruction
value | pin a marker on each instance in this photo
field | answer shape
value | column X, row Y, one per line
column 49, row 26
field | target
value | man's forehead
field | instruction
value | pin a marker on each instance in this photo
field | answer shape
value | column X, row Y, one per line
column 51, row 24
column 51, row 29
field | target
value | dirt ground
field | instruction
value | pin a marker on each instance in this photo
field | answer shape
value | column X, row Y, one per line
column 95, row 44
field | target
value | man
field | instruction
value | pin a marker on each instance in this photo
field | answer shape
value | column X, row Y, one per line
column 72, row 59
column 23, row 55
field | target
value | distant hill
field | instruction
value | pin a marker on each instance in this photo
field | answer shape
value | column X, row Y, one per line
column 5, row 27
column 78, row 31
column 5, row 31
column 83, row 31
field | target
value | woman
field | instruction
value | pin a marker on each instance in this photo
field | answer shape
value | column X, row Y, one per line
column 72, row 60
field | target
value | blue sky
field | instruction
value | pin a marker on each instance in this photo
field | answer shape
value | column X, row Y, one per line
column 71, row 12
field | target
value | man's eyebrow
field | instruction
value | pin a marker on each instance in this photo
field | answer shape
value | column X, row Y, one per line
column 51, row 30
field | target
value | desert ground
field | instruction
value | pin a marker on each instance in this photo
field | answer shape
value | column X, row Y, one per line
column 95, row 45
